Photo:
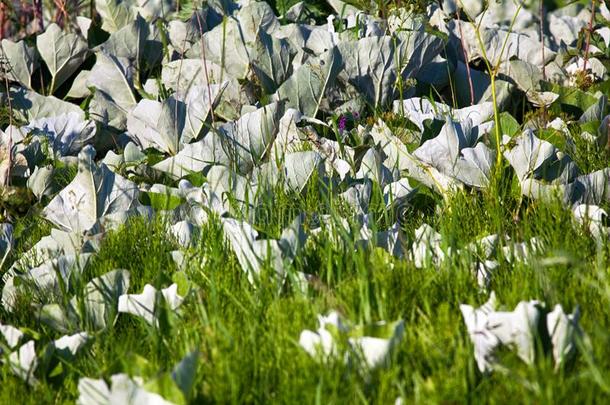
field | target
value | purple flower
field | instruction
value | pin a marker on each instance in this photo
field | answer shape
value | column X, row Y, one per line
column 342, row 123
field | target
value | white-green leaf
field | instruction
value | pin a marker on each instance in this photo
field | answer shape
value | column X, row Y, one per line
column 530, row 154
column 94, row 193
column 98, row 307
column 22, row 60
column 114, row 77
column 563, row 330
column 79, row 87
column 145, row 305
column 306, row 87
column 23, row 362
column 374, row 64
column 123, row 390
column 115, row 14
column 294, row 170
column 6, row 241
column 271, row 61
column 62, row 52
column 12, row 335
column 67, row 133
column 69, row 346
column 128, row 42
column 248, row 139
column 484, row 341
column 29, row 105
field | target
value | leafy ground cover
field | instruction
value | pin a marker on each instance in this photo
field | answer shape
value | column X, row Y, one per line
column 254, row 202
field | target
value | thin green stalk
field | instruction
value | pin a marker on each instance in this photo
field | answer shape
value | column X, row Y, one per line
column 493, row 71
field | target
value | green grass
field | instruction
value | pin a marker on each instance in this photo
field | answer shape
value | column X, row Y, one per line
column 248, row 336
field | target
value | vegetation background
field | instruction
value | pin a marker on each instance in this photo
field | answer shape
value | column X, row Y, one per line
column 247, row 337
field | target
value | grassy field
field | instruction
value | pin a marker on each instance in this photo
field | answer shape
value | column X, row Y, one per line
column 248, row 336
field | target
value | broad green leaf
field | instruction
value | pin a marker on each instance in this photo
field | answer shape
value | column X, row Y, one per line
column 572, row 100
column 509, row 125
column 159, row 201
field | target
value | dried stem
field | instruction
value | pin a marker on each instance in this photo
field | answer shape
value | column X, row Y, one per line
column 3, row 12
column 589, row 31
column 38, row 14
column 466, row 59
column 61, row 15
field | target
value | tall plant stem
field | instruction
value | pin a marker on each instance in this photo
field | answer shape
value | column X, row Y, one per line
column 493, row 72
column 497, row 132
